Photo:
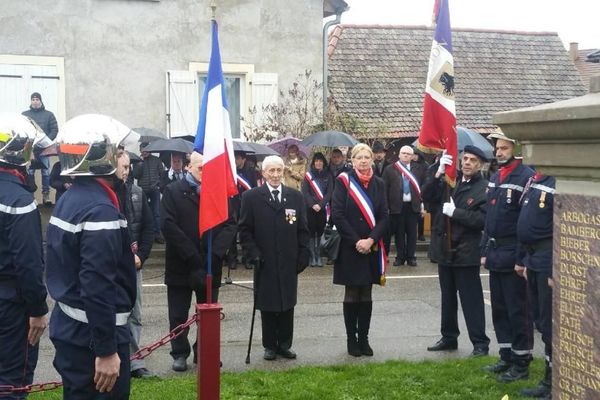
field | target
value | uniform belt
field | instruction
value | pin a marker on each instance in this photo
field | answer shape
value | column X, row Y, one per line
column 80, row 315
column 533, row 247
column 505, row 241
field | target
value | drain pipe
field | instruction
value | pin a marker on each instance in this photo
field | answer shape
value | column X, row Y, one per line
column 328, row 24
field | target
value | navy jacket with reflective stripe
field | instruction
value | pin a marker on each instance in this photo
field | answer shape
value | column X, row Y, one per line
column 21, row 260
column 90, row 266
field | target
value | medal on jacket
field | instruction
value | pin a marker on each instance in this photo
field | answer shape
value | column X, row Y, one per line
column 509, row 196
column 290, row 215
column 542, row 200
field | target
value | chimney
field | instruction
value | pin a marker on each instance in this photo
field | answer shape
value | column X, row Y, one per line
column 573, row 48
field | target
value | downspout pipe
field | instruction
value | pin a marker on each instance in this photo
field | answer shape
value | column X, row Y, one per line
column 328, row 24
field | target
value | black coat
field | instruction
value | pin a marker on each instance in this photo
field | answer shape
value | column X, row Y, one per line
column 269, row 233
column 45, row 119
column 352, row 267
column 393, row 187
column 467, row 222
column 186, row 253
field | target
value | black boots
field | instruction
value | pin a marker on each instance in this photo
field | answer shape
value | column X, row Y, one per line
column 351, row 319
column 517, row 371
column 543, row 389
column 357, row 317
column 364, row 323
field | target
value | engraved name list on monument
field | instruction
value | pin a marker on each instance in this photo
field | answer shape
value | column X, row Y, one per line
column 576, row 329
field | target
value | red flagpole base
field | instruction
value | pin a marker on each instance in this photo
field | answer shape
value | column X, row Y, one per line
column 209, row 351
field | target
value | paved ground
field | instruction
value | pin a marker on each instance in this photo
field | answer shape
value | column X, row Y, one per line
column 406, row 317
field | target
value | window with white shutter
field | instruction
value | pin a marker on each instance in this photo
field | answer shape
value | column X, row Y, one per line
column 265, row 91
column 183, row 103
column 22, row 75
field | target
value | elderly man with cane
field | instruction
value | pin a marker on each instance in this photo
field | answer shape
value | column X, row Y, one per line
column 274, row 232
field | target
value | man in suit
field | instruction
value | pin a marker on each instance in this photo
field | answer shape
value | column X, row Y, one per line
column 405, row 205
column 176, row 172
column 186, row 253
column 274, row 232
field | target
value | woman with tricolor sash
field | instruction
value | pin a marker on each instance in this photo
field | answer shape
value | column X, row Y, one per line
column 360, row 213
column 317, row 188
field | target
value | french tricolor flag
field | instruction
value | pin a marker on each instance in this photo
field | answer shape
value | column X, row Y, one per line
column 438, row 128
column 213, row 140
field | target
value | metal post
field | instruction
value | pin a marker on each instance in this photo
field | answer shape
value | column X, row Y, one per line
column 209, row 351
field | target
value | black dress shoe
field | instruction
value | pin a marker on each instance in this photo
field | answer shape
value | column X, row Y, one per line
column 514, row 373
column 479, row 352
column 179, row 364
column 398, row 263
column 442, row 345
column 141, row 373
column 287, row 353
column 270, row 355
column 412, row 263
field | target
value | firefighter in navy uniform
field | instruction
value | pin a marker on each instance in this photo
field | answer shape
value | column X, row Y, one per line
column 502, row 256
column 534, row 232
column 90, row 264
column 23, row 306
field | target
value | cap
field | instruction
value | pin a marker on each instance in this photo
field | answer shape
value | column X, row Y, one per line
column 378, row 147
column 475, row 151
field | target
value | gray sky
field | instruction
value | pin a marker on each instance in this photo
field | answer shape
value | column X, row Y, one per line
column 574, row 20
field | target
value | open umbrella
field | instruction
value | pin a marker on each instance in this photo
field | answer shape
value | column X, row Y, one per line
column 470, row 137
column 149, row 134
column 329, row 139
column 262, row 150
column 170, row 145
column 281, row 145
column 242, row 146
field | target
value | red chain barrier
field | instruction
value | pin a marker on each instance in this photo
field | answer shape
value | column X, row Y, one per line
column 138, row 355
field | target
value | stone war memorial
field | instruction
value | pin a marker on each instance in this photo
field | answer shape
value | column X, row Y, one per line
column 563, row 139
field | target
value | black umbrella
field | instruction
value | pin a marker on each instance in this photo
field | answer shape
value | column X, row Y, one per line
column 149, row 134
column 170, row 145
column 243, row 147
column 330, row 139
column 262, row 150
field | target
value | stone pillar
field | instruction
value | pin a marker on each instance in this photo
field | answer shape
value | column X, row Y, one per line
column 563, row 139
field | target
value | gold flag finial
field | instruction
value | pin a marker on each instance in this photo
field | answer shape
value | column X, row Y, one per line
column 213, row 6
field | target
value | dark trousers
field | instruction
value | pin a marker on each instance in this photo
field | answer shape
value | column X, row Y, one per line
column 76, row 366
column 153, row 197
column 277, row 329
column 179, row 300
column 511, row 315
column 465, row 281
column 541, row 299
column 403, row 227
column 17, row 358
column 316, row 221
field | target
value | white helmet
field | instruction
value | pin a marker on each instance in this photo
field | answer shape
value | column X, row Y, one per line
column 18, row 135
column 87, row 145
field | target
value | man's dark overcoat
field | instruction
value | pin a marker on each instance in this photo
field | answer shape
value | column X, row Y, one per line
column 269, row 233
column 352, row 267
column 466, row 223
column 185, row 259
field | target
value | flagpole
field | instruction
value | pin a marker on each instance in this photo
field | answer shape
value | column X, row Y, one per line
column 209, row 276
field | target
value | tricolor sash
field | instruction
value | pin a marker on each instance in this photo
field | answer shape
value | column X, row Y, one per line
column 356, row 192
column 314, row 185
column 411, row 178
column 243, row 182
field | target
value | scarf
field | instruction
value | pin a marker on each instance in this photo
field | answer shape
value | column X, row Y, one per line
column 505, row 171
column 14, row 172
column 364, row 178
column 193, row 183
column 111, row 193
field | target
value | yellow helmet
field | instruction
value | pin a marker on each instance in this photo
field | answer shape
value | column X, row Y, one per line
column 18, row 135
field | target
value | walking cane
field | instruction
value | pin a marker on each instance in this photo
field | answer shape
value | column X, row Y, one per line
column 257, row 268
